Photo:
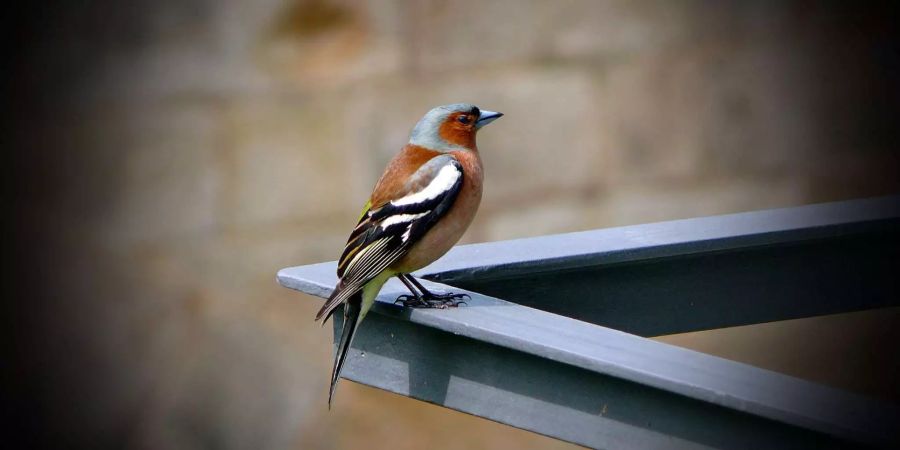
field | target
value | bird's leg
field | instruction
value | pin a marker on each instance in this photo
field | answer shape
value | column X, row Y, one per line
column 414, row 300
column 437, row 300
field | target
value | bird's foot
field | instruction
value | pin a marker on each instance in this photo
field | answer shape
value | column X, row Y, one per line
column 444, row 301
column 448, row 300
column 411, row 301
column 438, row 301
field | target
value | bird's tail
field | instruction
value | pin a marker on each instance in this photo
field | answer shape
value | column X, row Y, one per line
column 340, row 294
column 351, row 322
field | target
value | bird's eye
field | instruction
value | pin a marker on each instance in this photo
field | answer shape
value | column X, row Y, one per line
column 464, row 120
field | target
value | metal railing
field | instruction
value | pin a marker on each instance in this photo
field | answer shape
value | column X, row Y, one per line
column 553, row 338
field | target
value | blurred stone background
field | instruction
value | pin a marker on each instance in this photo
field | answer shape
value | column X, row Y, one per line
column 165, row 158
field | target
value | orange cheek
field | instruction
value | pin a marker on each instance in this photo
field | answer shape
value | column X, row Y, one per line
column 457, row 134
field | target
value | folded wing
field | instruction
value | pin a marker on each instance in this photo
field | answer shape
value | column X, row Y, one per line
column 385, row 232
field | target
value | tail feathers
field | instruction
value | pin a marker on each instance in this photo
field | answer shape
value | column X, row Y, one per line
column 341, row 293
column 351, row 322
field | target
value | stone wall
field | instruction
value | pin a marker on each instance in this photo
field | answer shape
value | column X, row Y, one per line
column 195, row 147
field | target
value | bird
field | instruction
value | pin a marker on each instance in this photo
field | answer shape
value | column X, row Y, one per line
column 420, row 207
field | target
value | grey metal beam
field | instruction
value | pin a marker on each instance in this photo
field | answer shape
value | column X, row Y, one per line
column 697, row 274
column 589, row 384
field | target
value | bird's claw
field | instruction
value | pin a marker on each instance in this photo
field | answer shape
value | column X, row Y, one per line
column 449, row 296
column 445, row 303
column 449, row 300
column 437, row 301
column 410, row 301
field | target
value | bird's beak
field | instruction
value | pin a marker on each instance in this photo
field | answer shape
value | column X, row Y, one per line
column 487, row 117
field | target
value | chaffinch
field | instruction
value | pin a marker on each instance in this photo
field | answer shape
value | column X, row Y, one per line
column 420, row 207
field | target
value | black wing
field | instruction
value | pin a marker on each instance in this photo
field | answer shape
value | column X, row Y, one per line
column 386, row 232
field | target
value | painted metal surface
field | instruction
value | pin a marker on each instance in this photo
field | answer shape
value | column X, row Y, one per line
column 697, row 274
column 604, row 388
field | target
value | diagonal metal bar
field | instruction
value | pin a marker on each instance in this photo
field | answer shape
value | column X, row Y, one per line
column 588, row 384
column 603, row 388
column 697, row 274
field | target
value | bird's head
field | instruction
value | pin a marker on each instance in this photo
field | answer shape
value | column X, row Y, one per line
column 451, row 127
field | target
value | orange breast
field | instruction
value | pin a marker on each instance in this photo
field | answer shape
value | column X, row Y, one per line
column 446, row 233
